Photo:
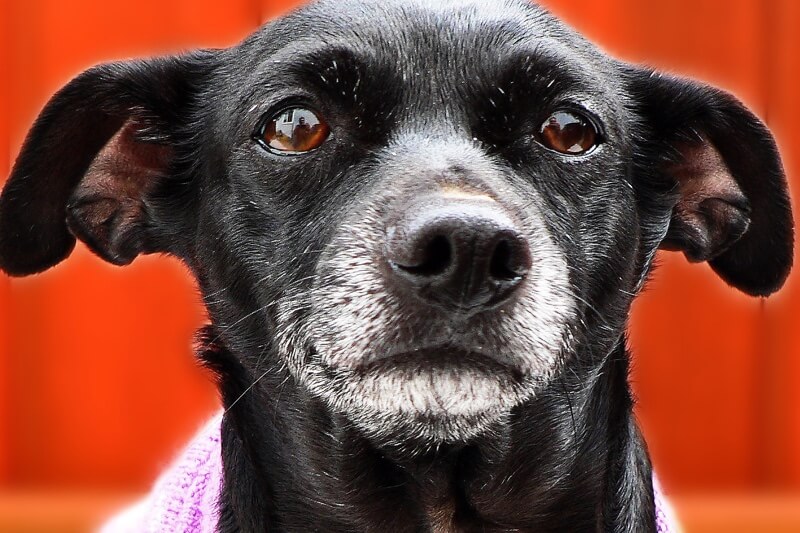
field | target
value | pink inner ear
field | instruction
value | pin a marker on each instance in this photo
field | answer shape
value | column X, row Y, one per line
column 702, row 174
column 711, row 213
column 108, row 205
column 125, row 168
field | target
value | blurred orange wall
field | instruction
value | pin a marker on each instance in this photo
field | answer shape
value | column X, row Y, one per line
column 98, row 387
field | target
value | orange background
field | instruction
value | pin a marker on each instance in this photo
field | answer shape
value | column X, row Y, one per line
column 98, row 386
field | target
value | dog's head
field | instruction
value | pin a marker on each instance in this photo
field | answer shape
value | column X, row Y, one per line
column 424, row 210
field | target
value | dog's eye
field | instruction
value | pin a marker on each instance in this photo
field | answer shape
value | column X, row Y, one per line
column 568, row 133
column 293, row 130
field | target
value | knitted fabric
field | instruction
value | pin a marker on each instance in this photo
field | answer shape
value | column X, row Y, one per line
column 184, row 499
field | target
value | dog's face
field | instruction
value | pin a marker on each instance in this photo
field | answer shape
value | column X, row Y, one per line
column 424, row 210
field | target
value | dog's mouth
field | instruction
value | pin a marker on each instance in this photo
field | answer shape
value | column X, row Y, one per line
column 441, row 358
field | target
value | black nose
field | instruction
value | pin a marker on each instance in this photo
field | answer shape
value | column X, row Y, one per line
column 460, row 254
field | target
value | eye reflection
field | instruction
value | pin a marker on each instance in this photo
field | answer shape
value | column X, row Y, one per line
column 295, row 130
column 568, row 133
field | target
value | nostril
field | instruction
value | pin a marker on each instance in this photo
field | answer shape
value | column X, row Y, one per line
column 507, row 263
column 435, row 258
column 500, row 268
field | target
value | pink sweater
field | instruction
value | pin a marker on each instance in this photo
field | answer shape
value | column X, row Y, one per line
column 184, row 499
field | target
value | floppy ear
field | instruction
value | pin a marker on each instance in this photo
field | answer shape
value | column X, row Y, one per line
column 732, row 206
column 100, row 148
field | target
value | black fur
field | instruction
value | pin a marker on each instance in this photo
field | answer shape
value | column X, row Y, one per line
column 391, row 78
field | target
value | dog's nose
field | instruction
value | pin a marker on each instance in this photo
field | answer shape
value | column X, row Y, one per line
column 460, row 254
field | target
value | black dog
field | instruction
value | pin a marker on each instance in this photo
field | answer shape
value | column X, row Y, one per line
column 419, row 291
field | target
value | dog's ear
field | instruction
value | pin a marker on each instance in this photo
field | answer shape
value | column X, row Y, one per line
column 732, row 206
column 101, row 145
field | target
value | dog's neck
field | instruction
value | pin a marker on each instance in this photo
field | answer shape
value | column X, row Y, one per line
column 292, row 465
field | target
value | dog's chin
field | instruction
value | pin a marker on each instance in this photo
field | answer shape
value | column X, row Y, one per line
column 430, row 395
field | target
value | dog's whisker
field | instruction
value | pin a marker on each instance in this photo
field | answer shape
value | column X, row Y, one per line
column 247, row 390
column 227, row 327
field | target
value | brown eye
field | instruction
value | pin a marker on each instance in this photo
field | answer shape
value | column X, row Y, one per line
column 294, row 130
column 568, row 133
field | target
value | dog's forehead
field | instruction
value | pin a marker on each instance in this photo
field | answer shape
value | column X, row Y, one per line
column 382, row 16
column 447, row 48
column 407, row 30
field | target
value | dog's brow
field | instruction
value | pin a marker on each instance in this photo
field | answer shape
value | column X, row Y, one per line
column 336, row 68
column 333, row 69
column 550, row 65
column 304, row 58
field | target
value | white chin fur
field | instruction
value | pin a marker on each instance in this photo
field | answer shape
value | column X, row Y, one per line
column 435, row 404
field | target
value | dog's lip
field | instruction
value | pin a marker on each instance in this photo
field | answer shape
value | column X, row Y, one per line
column 441, row 355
